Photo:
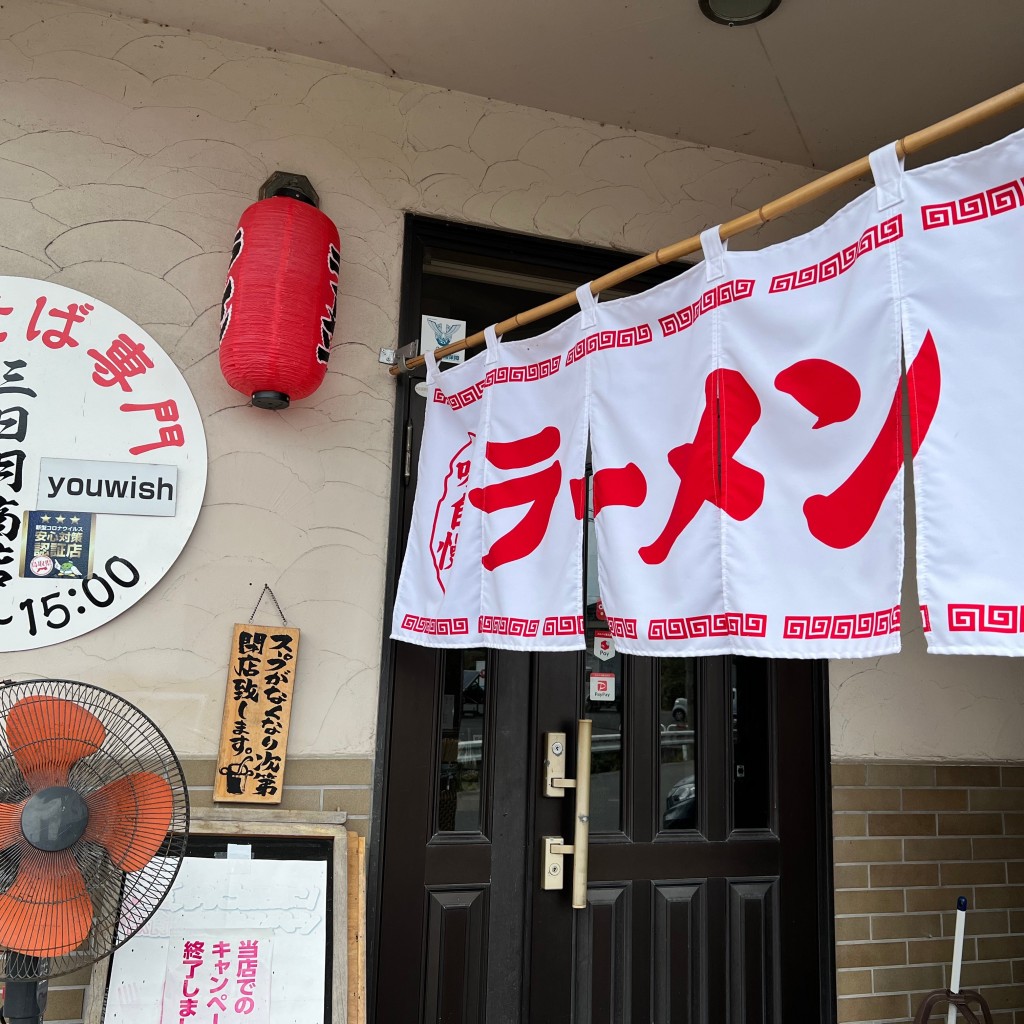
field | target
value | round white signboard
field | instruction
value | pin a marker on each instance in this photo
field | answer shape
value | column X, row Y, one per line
column 102, row 463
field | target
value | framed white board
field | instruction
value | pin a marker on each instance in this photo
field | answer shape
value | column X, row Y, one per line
column 298, row 907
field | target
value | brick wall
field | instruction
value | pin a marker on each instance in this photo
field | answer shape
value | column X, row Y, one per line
column 310, row 784
column 909, row 839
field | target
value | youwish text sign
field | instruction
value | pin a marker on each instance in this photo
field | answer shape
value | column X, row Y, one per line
column 120, row 488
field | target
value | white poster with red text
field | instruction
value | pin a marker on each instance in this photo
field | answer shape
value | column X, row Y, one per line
column 748, row 462
column 496, row 541
column 962, row 273
column 235, row 941
column 218, row 977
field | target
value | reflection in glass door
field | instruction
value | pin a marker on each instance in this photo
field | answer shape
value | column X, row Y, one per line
column 677, row 718
column 462, row 737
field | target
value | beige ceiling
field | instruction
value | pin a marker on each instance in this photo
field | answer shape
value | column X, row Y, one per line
column 819, row 83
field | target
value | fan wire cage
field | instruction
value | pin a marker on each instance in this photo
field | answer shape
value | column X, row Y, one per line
column 94, row 820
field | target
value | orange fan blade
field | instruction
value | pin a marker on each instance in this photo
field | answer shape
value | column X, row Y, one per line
column 10, row 824
column 46, row 912
column 130, row 817
column 48, row 735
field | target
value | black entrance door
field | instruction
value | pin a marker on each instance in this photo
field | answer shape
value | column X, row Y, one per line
column 704, row 872
column 709, row 884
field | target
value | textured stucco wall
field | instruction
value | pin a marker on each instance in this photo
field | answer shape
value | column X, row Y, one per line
column 127, row 152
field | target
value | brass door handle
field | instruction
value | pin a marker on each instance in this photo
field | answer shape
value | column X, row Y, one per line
column 555, row 784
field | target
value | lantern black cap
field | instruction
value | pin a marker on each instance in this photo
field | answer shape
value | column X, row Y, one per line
column 737, row 12
column 291, row 185
column 270, row 400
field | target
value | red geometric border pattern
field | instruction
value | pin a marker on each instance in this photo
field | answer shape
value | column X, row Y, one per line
column 563, row 625
column 694, row 627
column 436, row 627
column 842, row 627
column 926, row 619
column 639, row 335
column 838, row 263
column 721, row 295
column 986, row 618
column 625, row 628
column 502, row 375
column 502, row 625
column 980, row 206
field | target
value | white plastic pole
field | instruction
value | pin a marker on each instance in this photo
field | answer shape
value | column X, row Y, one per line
column 958, row 954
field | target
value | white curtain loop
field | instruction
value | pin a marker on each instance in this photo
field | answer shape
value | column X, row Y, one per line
column 887, row 170
column 714, row 253
column 493, row 344
column 588, row 306
column 430, row 359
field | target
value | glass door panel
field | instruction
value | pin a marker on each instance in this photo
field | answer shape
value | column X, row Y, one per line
column 462, row 738
column 752, row 726
column 677, row 716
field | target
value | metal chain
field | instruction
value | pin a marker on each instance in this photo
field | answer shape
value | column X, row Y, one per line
column 266, row 590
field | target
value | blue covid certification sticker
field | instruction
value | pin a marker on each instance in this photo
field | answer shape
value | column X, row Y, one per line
column 57, row 544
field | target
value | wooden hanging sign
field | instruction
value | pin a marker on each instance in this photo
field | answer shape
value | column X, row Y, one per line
column 257, row 710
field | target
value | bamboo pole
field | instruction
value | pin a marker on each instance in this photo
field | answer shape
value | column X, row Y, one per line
column 913, row 143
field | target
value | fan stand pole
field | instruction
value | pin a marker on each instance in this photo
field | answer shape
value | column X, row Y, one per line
column 24, row 1002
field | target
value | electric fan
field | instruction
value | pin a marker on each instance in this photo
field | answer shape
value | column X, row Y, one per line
column 93, row 826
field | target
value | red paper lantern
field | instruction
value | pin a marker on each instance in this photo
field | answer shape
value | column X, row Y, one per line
column 280, row 300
